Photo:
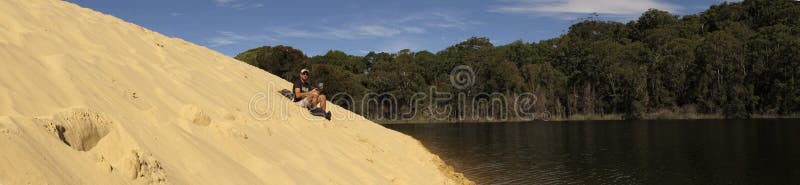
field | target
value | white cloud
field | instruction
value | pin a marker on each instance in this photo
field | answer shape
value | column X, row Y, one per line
column 229, row 38
column 567, row 7
column 416, row 23
column 363, row 51
column 238, row 4
column 393, row 45
column 414, row 29
column 399, row 44
column 375, row 30
column 175, row 14
column 348, row 32
column 223, row 2
column 221, row 41
column 294, row 33
column 439, row 20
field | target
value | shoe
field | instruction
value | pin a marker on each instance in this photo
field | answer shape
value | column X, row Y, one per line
column 316, row 111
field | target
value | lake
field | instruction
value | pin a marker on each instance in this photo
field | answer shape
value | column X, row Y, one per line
column 618, row 152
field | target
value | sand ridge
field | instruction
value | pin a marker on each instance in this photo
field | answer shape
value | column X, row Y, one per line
column 87, row 98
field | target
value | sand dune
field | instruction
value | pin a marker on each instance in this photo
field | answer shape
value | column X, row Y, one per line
column 87, row 98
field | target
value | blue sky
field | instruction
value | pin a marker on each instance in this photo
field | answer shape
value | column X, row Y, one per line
column 360, row 26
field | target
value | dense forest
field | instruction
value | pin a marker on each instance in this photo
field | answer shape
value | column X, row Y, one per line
column 733, row 60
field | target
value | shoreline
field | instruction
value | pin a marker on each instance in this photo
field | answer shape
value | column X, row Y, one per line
column 591, row 117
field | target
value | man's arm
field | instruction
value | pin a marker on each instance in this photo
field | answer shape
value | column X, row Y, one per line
column 298, row 94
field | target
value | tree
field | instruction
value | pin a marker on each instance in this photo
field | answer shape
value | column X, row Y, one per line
column 650, row 20
column 283, row 61
column 734, row 59
column 350, row 63
column 337, row 80
column 517, row 52
column 775, row 56
column 722, row 62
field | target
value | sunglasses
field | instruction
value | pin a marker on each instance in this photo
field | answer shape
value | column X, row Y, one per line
column 305, row 74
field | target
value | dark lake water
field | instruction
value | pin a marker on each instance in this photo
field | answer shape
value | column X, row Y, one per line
column 618, row 152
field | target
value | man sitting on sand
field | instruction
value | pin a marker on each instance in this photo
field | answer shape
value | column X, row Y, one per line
column 305, row 95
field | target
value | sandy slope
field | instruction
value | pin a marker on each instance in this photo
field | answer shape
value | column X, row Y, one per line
column 86, row 98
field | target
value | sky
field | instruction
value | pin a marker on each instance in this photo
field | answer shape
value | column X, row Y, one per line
column 360, row 26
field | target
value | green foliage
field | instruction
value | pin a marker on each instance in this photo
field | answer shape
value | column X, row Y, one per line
column 337, row 80
column 283, row 61
column 401, row 77
column 734, row 59
column 353, row 64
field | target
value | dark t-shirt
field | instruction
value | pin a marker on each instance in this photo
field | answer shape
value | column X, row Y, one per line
column 304, row 87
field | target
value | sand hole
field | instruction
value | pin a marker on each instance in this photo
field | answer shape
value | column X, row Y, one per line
column 79, row 129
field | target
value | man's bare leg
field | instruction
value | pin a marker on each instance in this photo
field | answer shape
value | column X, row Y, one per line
column 322, row 101
column 312, row 100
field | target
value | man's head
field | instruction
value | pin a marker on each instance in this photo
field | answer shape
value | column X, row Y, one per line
column 304, row 74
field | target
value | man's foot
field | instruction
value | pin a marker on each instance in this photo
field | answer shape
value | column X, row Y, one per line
column 319, row 112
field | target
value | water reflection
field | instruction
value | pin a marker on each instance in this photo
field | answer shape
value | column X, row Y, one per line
column 619, row 152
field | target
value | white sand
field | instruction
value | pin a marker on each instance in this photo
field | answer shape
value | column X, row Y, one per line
column 86, row 98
